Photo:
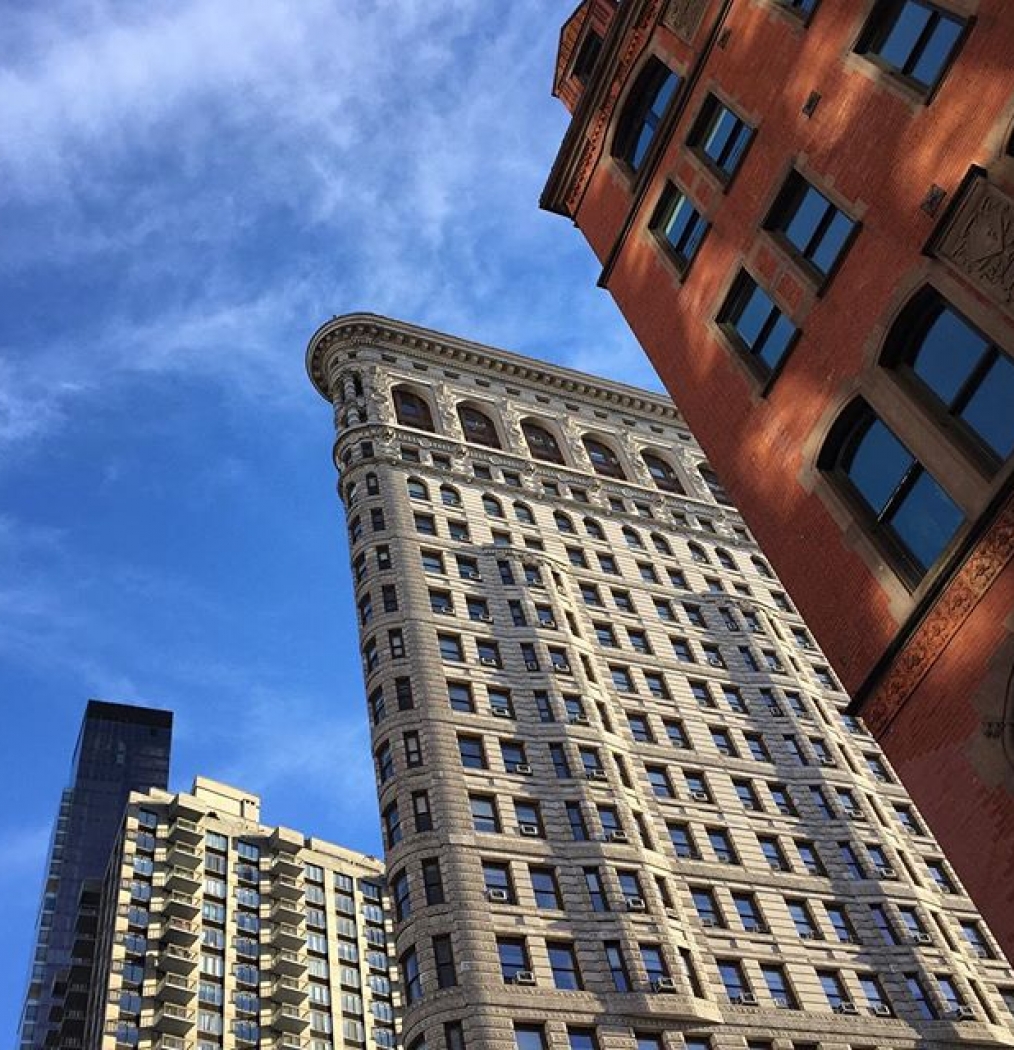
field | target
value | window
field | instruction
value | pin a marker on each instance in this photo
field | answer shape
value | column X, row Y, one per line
column 733, row 979
column 443, row 958
column 575, row 818
column 756, row 326
column 680, row 227
column 433, row 884
column 642, row 113
column 421, row 811
column 749, row 914
column 450, row 648
column 654, row 963
column 484, row 813
column 604, row 461
column 903, row 504
column 658, row 777
column 720, row 138
column 563, row 963
column 682, row 651
column 524, row 514
column 805, row 220
column 432, row 561
column 876, row 998
column 410, row 978
column 460, row 696
column 478, row 427
column 722, row 739
column 972, row 932
column 922, row 1001
column 778, row 986
column 411, row 410
column 529, row 817
column 529, row 1037
column 964, row 376
column 707, row 906
column 782, row 800
column 914, row 39
column 617, row 966
column 721, row 843
column 392, row 825
column 851, row 861
column 640, row 730
column 938, row 873
column 747, row 796
column 454, row 1035
column 802, row 919
column 513, row 955
column 596, row 892
column 545, row 889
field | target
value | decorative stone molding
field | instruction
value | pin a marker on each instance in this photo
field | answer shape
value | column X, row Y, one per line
column 977, row 239
column 967, row 588
column 683, row 17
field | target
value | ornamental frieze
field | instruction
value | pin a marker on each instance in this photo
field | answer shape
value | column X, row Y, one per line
column 683, row 17
column 978, row 240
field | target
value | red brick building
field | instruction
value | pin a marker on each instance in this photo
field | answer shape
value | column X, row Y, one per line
column 805, row 211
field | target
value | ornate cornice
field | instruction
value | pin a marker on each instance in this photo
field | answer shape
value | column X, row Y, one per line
column 343, row 333
column 968, row 586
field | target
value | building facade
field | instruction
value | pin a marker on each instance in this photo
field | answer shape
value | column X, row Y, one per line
column 622, row 802
column 218, row 931
column 120, row 748
column 803, row 210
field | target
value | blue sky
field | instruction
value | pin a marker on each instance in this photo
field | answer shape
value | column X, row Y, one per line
column 187, row 189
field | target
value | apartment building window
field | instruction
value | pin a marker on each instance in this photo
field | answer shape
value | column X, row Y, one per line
column 607, row 563
column 707, row 906
column 756, row 327
column 581, row 1039
column 876, row 997
column 639, row 729
column 454, row 1036
column 545, row 888
column 460, row 697
column 575, row 818
column 433, row 885
column 484, row 813
column 778, row 986
column 529, row 818
column 802, row 919
column 596, row 891
column 661, row 786
column 678, row 579
column 677, row 734
column 810, row 858
column 411, row 980
column 654, row 963
column 915, row 40
column 733, row 980
column 682, row 842
column 922, row 1001
column 850, row 860
column 443, row 958
column 617, row 966
column 814, row 230
column 721, row 844
column 903, row 507
column 529, row 1037
column 392, row 825
column 643, row 111
column 450, row 648
column 697, row 786
column 488, row 652
column 682, row 651
column 513, row 955
column 833, row 988
column 747, row 795
column 720, row 138
column 972, row 933
column 421, row 812
column 513, row 754
column 472, row 752
column 563, row 964
column 782, row 800
column 938, row 873
column 749, row 913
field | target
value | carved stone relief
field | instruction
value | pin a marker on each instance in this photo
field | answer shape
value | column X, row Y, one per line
column 683, row 17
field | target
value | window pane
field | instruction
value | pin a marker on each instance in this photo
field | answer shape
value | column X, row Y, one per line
column 926, row 520
column 988, row 411
column 878, row 465
column 937, row 50
column 901, row 40
column 947, row 354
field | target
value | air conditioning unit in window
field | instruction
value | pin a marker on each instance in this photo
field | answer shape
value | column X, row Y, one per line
column 663, row 984
column 781, row 1002
column 547, row 623
column 708, row 922
column 961, row 1013
column 500, row 896
column 532, row 665
column 446, row 610
column 485, row 617
column 776, row 711
column 562, row 668
column 616, row 835
column 471, row 574
column 501, row 712
column 489, row 661
column 826, row 760
column 921, row 938
column 854, row 814
column 887, row 873
column 635, row 904
column 846, row 1008
column 579, row 720
column 530, row 830
column 745, row 999
column 810, row 935
column 699, row 796
column 525, row 977
column 596, row 774
column 523, row 768
column 880, row 1010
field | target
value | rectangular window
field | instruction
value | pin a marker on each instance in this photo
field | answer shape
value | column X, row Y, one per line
column 617, row 966
column 815, row 231
column 484, row 813
column 513, row 954
column 720, row 138
column 443, row 957
column 545, row 889
column 756, row 326
column 563, row 963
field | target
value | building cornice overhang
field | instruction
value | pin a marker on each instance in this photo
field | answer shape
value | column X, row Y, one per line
column 570, row 155
column 349, row 331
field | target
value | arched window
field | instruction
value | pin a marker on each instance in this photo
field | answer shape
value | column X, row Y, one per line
column 478, row 427
column 963, row 376
column 524, row 514
column 715, row 487
column 632, row 538
column 762, row 567
column 642, row 112
column 604, row 459
column 357, row 384
column 541, row 443
column 661, row 543
column 903, row 505
column 417, row 489
column 411, row 410
column 698, row 553
column 449, row 496
column 492, row 506
column 594, row 529
column 563, row 522
column 662, row 473
column 725, row 559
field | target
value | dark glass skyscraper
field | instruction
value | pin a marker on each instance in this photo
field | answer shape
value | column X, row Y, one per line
column 120, row 749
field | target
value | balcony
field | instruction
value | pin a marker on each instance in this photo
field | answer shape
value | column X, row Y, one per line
column 179, row 931
column 176, row 1020
column 284, row 840
column 174, row 1042
column 186, row 831
column 183, row 855
column 290, row 1019
column 285, row 936
column 286, row 1041
column 287, row 912
column 174, row 959
column 181, row 905
column 288, row 990
column 183, row 880
column 291, row 964
column 175, row 989
column 287, row 864
column 285, row 887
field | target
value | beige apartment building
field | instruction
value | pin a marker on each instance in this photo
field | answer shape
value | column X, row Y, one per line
column 622, row 804
column 220, row 932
